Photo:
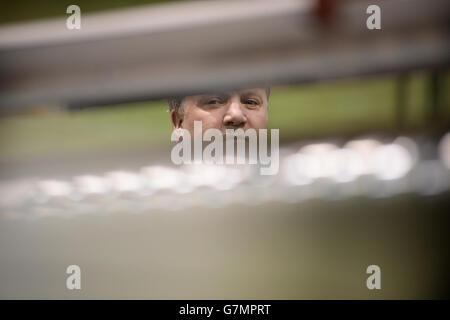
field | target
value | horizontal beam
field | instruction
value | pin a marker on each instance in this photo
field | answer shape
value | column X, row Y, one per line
column 185, row 48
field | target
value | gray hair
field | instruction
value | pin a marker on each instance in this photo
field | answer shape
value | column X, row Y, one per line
column 176, row 103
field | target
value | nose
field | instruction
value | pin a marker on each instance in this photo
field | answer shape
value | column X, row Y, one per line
column 234, row 117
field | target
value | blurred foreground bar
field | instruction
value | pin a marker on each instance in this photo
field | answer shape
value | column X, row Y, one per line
column 173, row 49
column 311, row 250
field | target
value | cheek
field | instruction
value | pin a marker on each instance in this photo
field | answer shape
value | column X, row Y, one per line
column 212, row 120
column 258, row 120
column 208, row 119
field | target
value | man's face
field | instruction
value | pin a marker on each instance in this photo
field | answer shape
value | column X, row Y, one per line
column 242, row 109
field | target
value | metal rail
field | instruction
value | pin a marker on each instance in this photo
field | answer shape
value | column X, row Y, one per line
column 157, row 51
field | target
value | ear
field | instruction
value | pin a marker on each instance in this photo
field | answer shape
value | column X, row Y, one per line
column 177, row 120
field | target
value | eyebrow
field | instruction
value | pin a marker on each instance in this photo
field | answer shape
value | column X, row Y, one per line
column 202, row 98
column 252, row 93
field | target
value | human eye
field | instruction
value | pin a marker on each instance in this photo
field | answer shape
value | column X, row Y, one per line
column 214, row 101
column 211, row 101
column 251, row 103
